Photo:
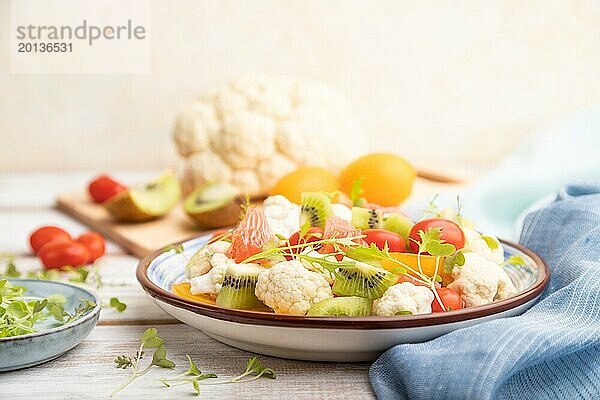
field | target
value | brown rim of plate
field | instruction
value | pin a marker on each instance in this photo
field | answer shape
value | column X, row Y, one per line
column 371, row 322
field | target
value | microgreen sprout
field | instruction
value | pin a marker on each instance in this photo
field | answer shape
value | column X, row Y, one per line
column 19, row 313
column 178, row 248
column 355, row 193
column 149, row 340
column 192, row 375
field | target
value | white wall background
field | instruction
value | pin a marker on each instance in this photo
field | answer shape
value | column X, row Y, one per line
column 445, row 83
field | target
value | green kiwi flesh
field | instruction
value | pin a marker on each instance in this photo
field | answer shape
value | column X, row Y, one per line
column 365, row 218
column 352, row 306
column 315, row 208
column 363, row 280
column 238, row 287
column 398, row 223
column 214, row 205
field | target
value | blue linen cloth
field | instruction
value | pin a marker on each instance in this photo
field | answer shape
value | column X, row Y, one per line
column 552, row 351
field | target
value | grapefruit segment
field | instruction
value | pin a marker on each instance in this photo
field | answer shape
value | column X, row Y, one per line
column 250, row 235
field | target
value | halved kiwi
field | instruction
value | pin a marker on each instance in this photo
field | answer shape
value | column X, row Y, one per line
column 238, row 287
column 315, row 208
column 398, row 223
column 363, row 280
column 214, row 205
column 365, row 218
column 145, row 202
column 352, row 306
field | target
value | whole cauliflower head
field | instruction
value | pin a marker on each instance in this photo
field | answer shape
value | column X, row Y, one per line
column 404, row 297
column 480, row 281
column 488, row 247
column 289, row 288
column 254, row 130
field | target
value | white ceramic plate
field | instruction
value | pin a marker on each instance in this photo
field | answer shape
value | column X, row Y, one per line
column 326, row 338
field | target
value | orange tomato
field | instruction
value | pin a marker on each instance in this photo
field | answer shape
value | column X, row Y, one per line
column 427, row 264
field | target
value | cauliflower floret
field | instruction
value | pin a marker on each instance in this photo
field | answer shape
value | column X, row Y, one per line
column 404, row 297
column 506, row 287
column 252, row 131
column 209, row 283
column 212, row 282
column 283, row 215
column 476, row 243
column 200, row 263
column 480, row 281
column 289, row 288
column 342, row 211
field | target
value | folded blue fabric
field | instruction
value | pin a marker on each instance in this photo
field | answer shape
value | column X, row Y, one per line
column 552, row 351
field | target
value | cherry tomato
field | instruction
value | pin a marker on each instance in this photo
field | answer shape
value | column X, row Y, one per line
column 450, row 299
column 94, row 243
column 450, row 233
column 414, row 281
column 58, row 254
column 45, row 234
column 104, row 187
column 380, row 237
column 312, row 235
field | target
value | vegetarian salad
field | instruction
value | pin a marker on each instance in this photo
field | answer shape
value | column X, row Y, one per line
column 337, row 256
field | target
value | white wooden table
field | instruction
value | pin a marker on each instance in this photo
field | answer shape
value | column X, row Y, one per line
column 88, row 371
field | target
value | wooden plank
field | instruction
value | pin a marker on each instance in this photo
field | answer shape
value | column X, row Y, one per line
column 88, row 371
column 138, row 239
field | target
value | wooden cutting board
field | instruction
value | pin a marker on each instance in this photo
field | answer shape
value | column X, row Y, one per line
column 138, row 239
column 141, row 238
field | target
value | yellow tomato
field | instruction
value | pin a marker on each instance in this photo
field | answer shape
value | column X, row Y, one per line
column 305, row 179
column 427, row 264
column 387, row 179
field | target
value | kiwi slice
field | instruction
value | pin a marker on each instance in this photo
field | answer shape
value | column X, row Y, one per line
column 145, row 202
column 315, row 208
column 363, row 280
column 365, row 218
column 352, row 306
column 238, row 287
column 214, row 205
column 398, row 223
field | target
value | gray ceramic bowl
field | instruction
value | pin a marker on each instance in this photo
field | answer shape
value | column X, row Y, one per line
column 50, row 341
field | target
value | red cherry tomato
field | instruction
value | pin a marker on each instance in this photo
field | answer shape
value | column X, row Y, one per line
column 58, row 254
column 312, row 235
column 94, row 243
column 46, row 234
column 450, row 233
column 414, row 281
column 450, row 299
column 380, row 237
column 104, row 187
